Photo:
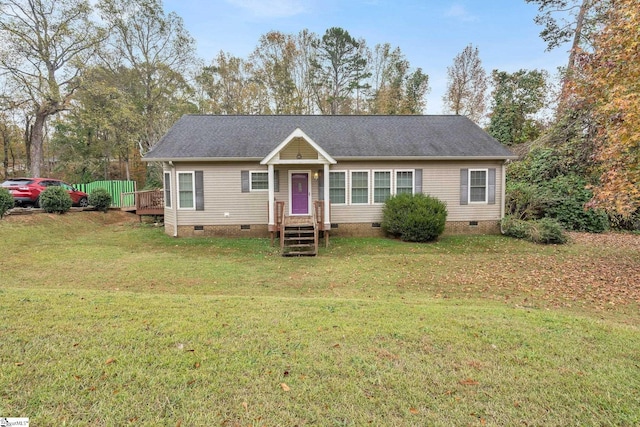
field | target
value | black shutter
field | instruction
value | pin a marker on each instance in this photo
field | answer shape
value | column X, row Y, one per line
column 491, row 190
column 199, row 190
column 464, row 186
column 244, row 176
column 320, row 186
column 417, row 176
column 276, row 181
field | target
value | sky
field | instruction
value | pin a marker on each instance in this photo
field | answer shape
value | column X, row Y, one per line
column 429, row 32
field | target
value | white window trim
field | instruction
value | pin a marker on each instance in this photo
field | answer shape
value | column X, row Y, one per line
column 251, row 189
column 167, row 203
column 486, row 187
column 346, row 188
column 369, row 174
column 413, row 180
column 193, row 189
column 373, row 184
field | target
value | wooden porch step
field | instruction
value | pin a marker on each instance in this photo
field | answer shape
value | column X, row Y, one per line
column 299, row 239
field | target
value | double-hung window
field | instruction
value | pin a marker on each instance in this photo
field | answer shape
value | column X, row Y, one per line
column 259, row 181
column 477, row 185
column 360, row 187
column 404, row 182
column 167, row 189
column 186, row 190
column 338, row 187
column 381, row 186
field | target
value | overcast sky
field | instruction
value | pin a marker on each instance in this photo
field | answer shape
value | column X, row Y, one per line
column 429, row 32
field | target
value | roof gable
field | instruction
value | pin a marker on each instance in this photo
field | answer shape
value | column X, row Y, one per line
column 273, row 157
column 259, row 138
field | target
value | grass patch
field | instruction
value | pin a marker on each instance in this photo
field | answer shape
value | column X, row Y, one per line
column 109, row 322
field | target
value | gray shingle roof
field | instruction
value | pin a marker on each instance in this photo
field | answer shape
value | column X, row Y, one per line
column 254, row 137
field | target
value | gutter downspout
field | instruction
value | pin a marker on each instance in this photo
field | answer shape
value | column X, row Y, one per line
column 504, row 193
column 174, row 198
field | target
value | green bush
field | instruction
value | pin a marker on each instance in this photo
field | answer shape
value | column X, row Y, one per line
column 100, row 199
column 545, row 230
column 569, row 195
column 55, row 200
column 414, row 218
column 6, row 201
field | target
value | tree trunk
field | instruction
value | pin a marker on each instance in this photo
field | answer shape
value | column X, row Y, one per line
column 5, row 146
column 568, row 76
column 37, row 140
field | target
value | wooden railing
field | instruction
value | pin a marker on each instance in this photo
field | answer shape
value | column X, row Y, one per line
column 150, row 202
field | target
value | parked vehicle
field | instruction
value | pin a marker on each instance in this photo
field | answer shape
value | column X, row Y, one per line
column 26, row 191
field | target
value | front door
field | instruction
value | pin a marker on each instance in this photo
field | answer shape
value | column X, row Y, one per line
column 300, row 193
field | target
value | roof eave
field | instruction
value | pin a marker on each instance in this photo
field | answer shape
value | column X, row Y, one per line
column 380, row 158
column 337, row 158
column 201, row 159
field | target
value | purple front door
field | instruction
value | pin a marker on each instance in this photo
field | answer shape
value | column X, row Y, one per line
column 299, row 194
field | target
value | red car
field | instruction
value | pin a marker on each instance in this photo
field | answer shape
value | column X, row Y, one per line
column 26, row 191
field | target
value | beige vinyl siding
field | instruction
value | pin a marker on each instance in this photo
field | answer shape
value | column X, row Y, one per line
column 223, row 195
column 223, row 191
column 298, row 145
column 440, row 179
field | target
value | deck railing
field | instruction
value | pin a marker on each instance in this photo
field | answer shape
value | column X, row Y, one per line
column 149, row 202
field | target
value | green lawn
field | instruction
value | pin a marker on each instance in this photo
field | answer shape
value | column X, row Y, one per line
column 104, row 321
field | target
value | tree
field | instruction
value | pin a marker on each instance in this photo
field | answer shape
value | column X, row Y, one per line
column 608, row 85
column 338, row 69
column 103, row 127
column 159, row 51
column 389, row 73
column 516, row 99
column 564, row 21
column 46, row 45
column 231, row 87
column 466, row 85
column 274, row 61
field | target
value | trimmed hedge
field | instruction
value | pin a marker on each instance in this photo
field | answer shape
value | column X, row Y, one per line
column 6, row 201
column 100, row 198
column 414, row 218
column 55, row 200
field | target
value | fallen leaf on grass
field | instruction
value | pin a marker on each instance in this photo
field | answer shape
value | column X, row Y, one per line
column 109, row 361
column 285, row 387
column 19, row 363
column 245, row 405
column 414, row 411
column 469, row 381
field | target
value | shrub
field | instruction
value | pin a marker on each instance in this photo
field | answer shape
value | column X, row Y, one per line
column 55, row 200
column 545, row 230
column 100, row 198
column 414, row 218
column 6, row 201
column 569, row 194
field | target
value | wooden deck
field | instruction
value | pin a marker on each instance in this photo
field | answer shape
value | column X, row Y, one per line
column 149, row 202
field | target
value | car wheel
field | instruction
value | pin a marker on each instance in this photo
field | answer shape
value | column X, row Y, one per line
column 83, row 203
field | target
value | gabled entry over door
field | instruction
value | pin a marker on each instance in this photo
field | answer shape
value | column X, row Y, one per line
column 299, row 193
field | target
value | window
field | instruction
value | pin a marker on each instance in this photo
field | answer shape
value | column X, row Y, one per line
column 381, row 186
column 167, row 189
column 478, row 185
column 338, row 187
column 360, row 188
column 186, row 190
column 404, row 182
column 259, row 181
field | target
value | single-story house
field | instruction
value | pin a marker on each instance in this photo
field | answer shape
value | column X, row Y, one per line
column 244, row 175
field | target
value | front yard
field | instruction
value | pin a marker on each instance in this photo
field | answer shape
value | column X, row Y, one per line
column 108, row 322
